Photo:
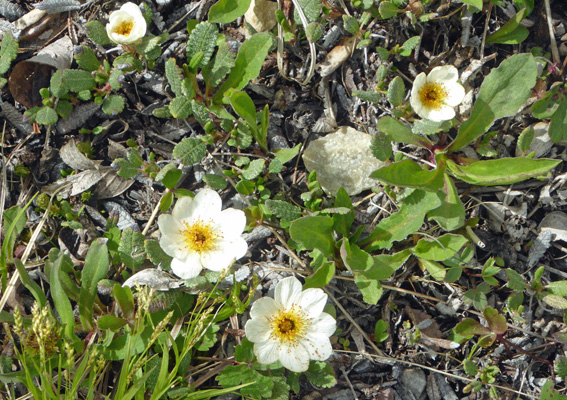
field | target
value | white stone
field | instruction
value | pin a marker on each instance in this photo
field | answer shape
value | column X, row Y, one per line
column 343, row 158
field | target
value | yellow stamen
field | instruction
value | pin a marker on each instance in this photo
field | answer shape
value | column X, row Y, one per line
column 200, row 236
column 289, row 325
column 433, row 95
column 125, row 28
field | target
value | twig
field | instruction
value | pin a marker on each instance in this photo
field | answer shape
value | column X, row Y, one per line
column 485, row 31
column 554, row 49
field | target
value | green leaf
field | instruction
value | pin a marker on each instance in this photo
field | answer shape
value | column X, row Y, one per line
column 381, row 330
column 321, row 374
column 226, row 11
column 111, row 322
column 409, row 45
column 171, row 178
column 436, row 270
column 97, row 33
column 525, row 139
column 286, row 155
column 396, row 92
column 190, row 151
column 556, row 301
column 180, row 107
column 8, row 52
column 166, row 202
column 124, row 300
column 311, row 9
column 202, row 39
column 254, row 169
column 259, row 386
column 511, row 32
column 87, row 59
column 77, row 80
column 114, row 79
column 216, row 182
column 548, row 104
column 383, row 267
column 95, row 269
column 351, row 24
column 408, row 173
column 407, row 220
column 558, row 124
column 440, row 249
column 156, row 254
column 64, row 108
column 502, row 93
column 504, row 171
column 126, row 170
column 558, row 288
column 475, row 3
column 515, row 280
column 245, row 108
column 131, row 249
column 283, row 209
column 398, row 132
column 113, row 104
column 34, row 288
column 314, row 32
column 321, row 277
column 57, row 85
column 470, row 368
column 248, row 63
column 46, row 116
column 215, row 71
column 388, row 10
column 343, row 222
column 150, row 43
column 428, row 127
column 496, row 322
column 60, row 299
column 381, row 147
column 371, row 97
column 548, row 392
column 174, row 76
column 470, row 327
column 261, row 135
column 314, row 232
column 450, row 215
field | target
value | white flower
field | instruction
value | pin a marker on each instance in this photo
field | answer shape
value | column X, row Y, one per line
column 434, row 96
column 126, row 25
column 291, row 327
column 197, row 234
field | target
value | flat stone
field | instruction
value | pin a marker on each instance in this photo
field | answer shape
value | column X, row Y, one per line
column 343, row 158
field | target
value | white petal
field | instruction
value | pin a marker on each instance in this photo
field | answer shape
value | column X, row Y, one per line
column 418, row 83
column 188, row 268
column 455, row 94
column 312, row 302
column 264, row 307
column 445, row 113
column 207, row 205
column 317, row 346
column 324, row 325
column 258, row 330
column 294, row 358
column 184, row 208
column 287, row 291
column 445, row 74
column 132, row 9
column 231, row 222
column 267, row 352
column 221, row 258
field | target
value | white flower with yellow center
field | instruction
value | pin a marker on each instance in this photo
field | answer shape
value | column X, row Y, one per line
column 197, row 234
column 291, row 327
column 126, row 25
column 435, row 96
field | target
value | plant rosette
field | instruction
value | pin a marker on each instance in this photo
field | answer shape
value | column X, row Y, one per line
column 435, row 96
column 291, row 327
column 127, row 25
column 197, row 234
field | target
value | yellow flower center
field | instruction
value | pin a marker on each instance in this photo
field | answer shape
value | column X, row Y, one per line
column 289, row 325
column 125, row 28
column 200, row 236
column 433, row 95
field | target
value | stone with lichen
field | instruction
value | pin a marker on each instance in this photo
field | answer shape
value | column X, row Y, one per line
column 343, row 158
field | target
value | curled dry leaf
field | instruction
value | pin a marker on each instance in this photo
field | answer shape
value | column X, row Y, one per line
column 154, row 279
column 337, row 56
column 29, row 76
